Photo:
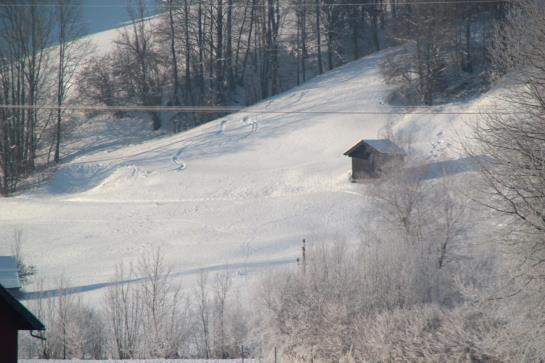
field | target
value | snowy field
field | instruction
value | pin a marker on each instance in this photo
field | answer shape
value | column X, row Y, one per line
column 242, row 191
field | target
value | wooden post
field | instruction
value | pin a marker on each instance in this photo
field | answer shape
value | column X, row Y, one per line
column 275, row 355
column 304, row 256
column 242, row 352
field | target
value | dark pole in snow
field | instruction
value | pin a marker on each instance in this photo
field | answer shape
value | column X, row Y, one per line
column 304, row 256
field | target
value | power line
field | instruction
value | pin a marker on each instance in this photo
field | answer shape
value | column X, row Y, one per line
column 395, row 110
column 418, row 2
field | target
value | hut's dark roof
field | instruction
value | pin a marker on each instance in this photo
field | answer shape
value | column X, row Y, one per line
column 383, row 146
column 9, row 277
column 24, row 319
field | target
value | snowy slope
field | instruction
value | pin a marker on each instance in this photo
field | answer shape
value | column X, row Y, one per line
column 247, row 194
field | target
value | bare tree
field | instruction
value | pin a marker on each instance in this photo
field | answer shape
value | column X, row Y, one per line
column 23, row 57
column 203, row 312
column 161, row 298
column 74, row 330
column 148, row 318
column 70, row 54
column 124, row 308
column 443, row 53
column 140, row 61
column 221, row 293
column 513, row 171
column 99, row 82
column 318, row 10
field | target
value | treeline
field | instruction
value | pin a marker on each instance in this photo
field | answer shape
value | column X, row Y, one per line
column 229, row 52
column 194, row 53
column 221, row 52
column 447, row 52
column 22, row 62
column 34, row 74
column 239, row 52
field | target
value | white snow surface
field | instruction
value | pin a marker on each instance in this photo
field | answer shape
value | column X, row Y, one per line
column 242, row 189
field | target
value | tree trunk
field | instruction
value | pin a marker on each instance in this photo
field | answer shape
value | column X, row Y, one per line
column 201, row 50
column 60, row 80
column 298, row 45
column 355, row 34
column 468, row 64
column 229, row 47
column 249, row 45
column 330, row 26
column 219, row 54
column 374, row 20
column 304, row 41
column 274, row 18
column 188, row 88
column 173, row 54
column 318, row 38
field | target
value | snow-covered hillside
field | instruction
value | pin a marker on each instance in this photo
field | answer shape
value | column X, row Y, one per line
column 244, row 189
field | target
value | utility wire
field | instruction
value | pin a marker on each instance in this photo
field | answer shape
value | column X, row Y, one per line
column 396, row 110
column 418, row 2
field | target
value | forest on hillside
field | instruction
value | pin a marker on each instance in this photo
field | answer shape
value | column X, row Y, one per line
column 221, row 53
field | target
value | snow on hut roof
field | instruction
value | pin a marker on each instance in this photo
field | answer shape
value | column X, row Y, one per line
column 384, row 146
column 9, row 277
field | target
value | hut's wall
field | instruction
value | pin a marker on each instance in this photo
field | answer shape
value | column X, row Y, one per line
column 361, row 168
column 384, row 161
column 374, row 164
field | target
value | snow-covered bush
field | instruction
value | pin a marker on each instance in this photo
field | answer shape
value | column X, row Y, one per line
column 396, row 296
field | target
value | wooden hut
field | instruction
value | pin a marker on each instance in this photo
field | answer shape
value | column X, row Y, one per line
column 14, row 316
column 370, row 157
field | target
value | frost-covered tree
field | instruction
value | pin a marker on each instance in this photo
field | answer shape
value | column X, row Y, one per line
column 163, row 326
column 74, row 330
column 222, row 287
column 124, row 310
column 413, row 256
column 513, row 138
column 148, row 318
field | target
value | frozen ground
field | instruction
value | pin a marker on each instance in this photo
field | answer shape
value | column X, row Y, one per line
column 243, row 190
